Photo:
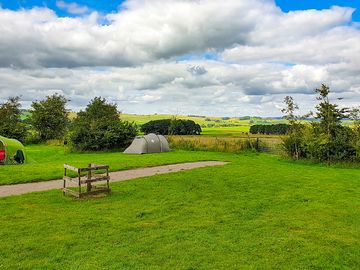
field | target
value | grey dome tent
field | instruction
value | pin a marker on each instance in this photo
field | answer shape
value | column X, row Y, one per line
column 150, row 143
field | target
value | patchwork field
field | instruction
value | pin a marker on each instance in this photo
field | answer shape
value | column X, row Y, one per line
column 242, row 123
column 257, row 212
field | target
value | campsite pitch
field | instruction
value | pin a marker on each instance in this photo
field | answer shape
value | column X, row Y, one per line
column 45, row 162
column 257, row 212
column 19, row 189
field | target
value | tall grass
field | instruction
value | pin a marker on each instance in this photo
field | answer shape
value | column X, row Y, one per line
column 222, row 144
column 215, row 144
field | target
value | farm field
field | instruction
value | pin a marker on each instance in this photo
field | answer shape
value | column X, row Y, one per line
column 204, row 121
column 226, row 131
column 46, row 162
column 257, row 212
column 211, row 126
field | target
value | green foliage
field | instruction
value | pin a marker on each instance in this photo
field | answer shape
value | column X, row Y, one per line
column 11, row 125
column 32, row 137
column 157, row 126
column 184, row 127
column 276, row 129
column 172, row 127
column 99, row 128
column 49, row 117
column 325, row 140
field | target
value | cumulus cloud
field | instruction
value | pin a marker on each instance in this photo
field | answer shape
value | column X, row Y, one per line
column 143, row 31
column 72, row 8
column 132, row 59
column 197, row 70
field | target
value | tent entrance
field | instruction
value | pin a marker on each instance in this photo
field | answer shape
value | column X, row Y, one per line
column 2, row 153
column 11, row 152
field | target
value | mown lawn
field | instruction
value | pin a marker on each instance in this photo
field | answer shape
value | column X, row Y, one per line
column 46, row 162
column 258, row 212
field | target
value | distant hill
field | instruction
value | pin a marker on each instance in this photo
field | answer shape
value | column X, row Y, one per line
column 203, row 121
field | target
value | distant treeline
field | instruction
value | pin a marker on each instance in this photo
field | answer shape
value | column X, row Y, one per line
column 275, row 129
column 171, row 127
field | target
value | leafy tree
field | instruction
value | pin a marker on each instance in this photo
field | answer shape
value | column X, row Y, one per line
column 99, row 127
column 330, row 116
column 354, row 115
column 275, row 129
column 184, row 127
column 172, row 127
column 157, row 127
column 292, row 142
column 325, row 140
column 49, row 117
column 11, row 124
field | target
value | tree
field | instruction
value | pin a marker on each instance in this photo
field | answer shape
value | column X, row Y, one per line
column 157, row 127
column 354, row 115
column 275, row 129
column 99, row 127
column 292, row 142
column 11, row 124
column 324, row 140
column 330, row 116
column 49, row 117
column 171, row 127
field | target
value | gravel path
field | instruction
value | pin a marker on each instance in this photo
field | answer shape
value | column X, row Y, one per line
column 10, row 190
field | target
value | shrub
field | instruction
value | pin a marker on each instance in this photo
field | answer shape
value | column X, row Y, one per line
column 99, row 128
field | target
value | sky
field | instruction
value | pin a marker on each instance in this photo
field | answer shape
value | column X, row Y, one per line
column 204, row 57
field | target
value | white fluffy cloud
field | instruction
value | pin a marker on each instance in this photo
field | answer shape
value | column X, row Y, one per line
column 261, row 54
column 72, row 8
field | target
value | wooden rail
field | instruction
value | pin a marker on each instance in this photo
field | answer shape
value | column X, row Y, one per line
column 88, row 179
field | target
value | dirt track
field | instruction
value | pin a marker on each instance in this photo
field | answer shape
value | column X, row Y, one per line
column 10, row 190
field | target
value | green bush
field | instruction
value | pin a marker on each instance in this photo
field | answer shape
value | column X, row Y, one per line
column 99, row 128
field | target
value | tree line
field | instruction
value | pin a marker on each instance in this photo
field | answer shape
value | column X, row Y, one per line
column 274, row 129
column 172, row 127
column 327, row 138
column 98, row 127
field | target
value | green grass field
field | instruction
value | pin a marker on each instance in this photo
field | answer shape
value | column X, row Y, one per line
column 258, row 212
column 226, row 131
column 46, row 162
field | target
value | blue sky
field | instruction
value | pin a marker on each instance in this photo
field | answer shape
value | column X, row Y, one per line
column 287, row 5
column 106, row 6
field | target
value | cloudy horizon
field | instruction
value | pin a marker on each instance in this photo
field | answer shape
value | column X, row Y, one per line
column 203, row 57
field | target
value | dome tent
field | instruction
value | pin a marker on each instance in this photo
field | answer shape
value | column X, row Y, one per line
column 150, row 143
column 10, row 148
